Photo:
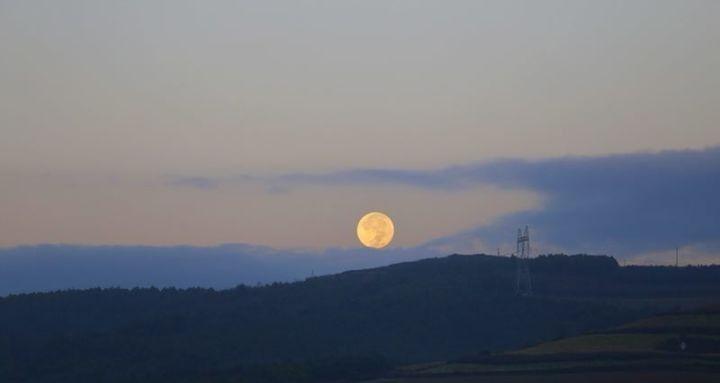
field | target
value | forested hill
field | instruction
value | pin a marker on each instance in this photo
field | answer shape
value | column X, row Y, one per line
column 434, row 309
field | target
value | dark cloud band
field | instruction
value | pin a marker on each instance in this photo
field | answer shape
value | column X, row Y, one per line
column 627, row 204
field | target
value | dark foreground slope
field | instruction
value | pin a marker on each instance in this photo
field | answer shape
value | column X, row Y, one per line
column 674, row 347
column 434, row 309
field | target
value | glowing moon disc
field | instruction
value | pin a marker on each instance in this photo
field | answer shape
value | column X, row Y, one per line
column 375, row 230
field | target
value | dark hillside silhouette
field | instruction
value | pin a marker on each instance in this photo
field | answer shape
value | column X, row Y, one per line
column 434, row 309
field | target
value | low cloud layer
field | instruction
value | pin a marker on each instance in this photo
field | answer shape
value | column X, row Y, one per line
column 637, row 207
column 26, row 269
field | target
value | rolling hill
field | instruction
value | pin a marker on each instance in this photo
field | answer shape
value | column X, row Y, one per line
column 352, row 324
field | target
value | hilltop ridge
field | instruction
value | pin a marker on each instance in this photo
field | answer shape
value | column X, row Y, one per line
column 432, row 309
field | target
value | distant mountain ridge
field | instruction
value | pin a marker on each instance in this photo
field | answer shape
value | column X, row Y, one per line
column 432, row 309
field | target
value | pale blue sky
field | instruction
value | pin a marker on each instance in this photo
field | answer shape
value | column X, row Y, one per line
column 105, row 105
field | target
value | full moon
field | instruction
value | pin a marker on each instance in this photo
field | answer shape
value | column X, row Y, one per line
column 375, row 230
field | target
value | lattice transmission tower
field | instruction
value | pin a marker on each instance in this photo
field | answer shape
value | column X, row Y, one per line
column 523, row 283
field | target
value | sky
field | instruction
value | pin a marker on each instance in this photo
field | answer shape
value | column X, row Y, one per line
column 278, row 124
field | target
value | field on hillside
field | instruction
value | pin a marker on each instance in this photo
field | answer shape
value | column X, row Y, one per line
column 585, row 377
column 679, row 347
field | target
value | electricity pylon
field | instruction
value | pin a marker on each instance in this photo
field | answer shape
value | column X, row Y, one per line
column 523, row 283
